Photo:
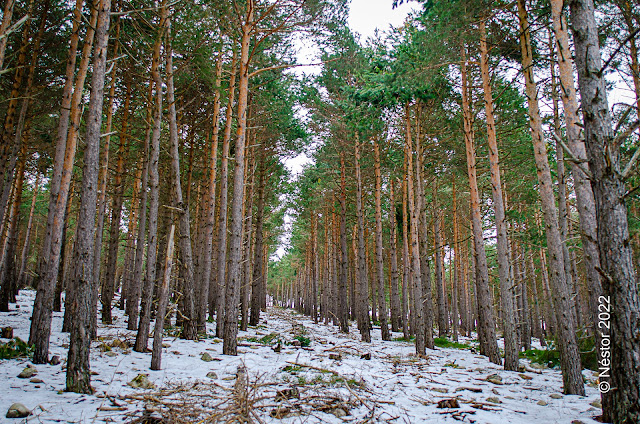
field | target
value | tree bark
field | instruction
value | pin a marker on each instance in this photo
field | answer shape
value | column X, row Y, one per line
column 396, row 321
column 343, row 306
column 78, row 372
column 616, row 256
column 362, row 283
column 485, row 319
column 163, row 299
column 506, row 291
column 567, row 342
column 382, row 302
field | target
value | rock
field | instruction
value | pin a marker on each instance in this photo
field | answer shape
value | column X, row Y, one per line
column 7, row 332
column 596, row 404
column 495, row 379
column 335, row 356
column 36, row 380
column 18, row 410
column 141, row 382
column 111, row 354
column 282, row 412
column 212, row 375
column 55, row 360
column 525, row 377
column 366, row 356
column 296, row 343
column 493, row 400
column 555, row 396
column 206, row 357
column 284, row 394
column 28, row 372
column 337, row 411
column 440, row 389
column 277, row 348
column 471, row 389
column 166, row 345
column 542, row 403
column 448, row 403
column 576, row 422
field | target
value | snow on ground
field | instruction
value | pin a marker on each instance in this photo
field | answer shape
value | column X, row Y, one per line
column 393, row 386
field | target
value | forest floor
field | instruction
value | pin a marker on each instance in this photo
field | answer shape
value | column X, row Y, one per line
column 331, row 380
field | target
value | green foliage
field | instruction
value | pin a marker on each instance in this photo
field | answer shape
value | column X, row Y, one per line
column 304, row 341
column 268, row 340
column 404, row 339
column 444, row 342
column 15, row 348
column 551, row 357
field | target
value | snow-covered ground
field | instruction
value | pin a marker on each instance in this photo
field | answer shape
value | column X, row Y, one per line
column 293, row 385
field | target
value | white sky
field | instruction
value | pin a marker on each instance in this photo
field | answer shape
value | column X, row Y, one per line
column 365, row 17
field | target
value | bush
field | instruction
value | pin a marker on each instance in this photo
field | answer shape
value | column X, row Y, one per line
column 551, row 357
column 15, row 348
column 444, row 342
column 304, row 341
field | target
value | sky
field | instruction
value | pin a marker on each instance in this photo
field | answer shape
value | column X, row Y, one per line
column 365, row 16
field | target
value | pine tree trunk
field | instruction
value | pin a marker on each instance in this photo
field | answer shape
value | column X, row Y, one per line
column 24, row 257
column 235, row 240
column 163, row 299
column 396, row 322
column 256, row 279
column 384, row 327
column 108, row 285
column 219, row 296
column 135, row 285
column 142, row 336
column 6, row 23
column 506, row 291
column 343, row 306
column 405, row 256
column 616, row 256
column 210, row 209
column 485, row 318
column 567, row 342
column 189, row 327
column 66, row 142
column 362, row 283
column 78, row 372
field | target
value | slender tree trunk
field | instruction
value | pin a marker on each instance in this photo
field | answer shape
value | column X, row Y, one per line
column 163, row 299
column 78, row 373
column 362, row 277
column 485, row 319
column 256, row 278
column 384, row 327
column 24, row 257
column 567, row 342
column 443, row 324
column 135, row 285
column 189, row 328
column 418, row 308
column 506, row 291
column 219, row 296
column 207, row 252
column 142, row 336
column 343, row 306
column 405, row 256
column 63, row 167
column 108, row 285
column 235, row 240
column 616, row 256
column 396, row 310
column 6, row 23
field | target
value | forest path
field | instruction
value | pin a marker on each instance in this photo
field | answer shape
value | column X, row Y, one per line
column 296, row 384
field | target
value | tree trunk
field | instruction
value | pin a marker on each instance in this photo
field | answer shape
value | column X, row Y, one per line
column 384, row 327
column 219, row 294
column 142, row 336
column 567, row 342
column 163, row 299
column 235, row 240
column 485, row 320
column 24, row 257
column 343, row 306
column 108, row 285
column 210, row 209
column 78, row 372
column 616, row 256
column 362, row 284
column 63, row 167
column 254, row 319
column 506, row 291
column 6, row 22
column 396, row 322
